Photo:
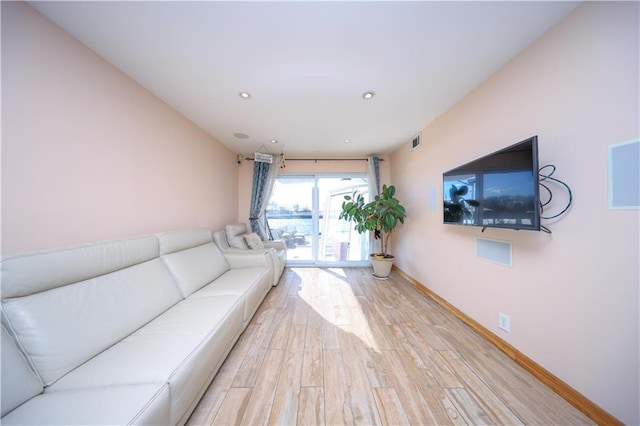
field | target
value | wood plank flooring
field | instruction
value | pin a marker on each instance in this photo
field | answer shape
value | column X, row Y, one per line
column 333, row 346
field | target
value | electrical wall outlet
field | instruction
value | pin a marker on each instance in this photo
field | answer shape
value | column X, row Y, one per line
column 503, row 321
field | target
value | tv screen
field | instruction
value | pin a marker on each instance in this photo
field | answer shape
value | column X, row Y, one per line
column 499, row 190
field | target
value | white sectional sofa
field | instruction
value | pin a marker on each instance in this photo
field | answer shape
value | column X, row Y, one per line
column 234, row 239
column 122, row 332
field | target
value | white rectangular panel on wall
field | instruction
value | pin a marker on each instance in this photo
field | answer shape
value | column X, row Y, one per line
column 494, row 251
column 624, row 175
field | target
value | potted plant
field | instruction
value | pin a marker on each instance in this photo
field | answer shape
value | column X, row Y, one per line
column 381, row 216
column 459, row 208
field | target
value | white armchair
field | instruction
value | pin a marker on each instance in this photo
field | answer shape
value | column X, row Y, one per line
column 235, row 237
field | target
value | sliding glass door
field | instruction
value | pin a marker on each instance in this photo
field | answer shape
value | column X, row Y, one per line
column 337, row 240
column 303, row 212
column 290, row 216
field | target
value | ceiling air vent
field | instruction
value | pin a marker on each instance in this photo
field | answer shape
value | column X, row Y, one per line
column 415, row 142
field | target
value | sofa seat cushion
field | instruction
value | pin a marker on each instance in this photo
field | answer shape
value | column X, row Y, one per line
column 184, row 347
column 109, row 405
column 252, row 284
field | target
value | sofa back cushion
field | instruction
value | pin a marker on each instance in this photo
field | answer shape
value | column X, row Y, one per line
column 192, row 257
column 235, row 235
column 65, row 306
column 220, row 239
column 19, row 382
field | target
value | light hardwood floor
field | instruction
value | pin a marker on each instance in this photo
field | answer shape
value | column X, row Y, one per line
column 334, row 346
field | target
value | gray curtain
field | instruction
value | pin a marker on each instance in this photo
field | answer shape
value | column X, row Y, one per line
column 373, row 182
column 264, row 179
column 373, row 176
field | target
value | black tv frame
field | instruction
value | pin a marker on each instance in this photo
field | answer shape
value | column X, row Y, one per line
column 460, row 209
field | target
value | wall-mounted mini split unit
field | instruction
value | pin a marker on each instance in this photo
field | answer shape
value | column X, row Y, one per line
column 415, row 142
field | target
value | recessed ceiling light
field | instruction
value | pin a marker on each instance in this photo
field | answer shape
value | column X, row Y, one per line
column 241, row 135
column 368, row 95
column 274, row 141
column 244, row 95
column 347, row 141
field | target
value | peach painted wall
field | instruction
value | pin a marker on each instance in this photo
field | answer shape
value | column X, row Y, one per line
column 88, row 154
column 572, row 296
column 300, row 168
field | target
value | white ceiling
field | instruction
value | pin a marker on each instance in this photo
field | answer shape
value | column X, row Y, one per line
column 307, row 64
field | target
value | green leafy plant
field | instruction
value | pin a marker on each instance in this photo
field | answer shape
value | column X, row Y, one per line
column 381, row 215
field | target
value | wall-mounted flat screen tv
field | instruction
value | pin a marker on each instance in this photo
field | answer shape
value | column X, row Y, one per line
column 499, row 190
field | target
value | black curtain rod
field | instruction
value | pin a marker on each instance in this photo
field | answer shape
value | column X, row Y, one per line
column 322, row 159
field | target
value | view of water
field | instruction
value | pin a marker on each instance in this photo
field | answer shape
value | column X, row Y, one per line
column 299, row 225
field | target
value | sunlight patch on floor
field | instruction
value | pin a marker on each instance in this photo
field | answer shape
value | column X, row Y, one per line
column 338, row 305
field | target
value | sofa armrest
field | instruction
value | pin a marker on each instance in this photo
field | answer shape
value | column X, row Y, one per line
column 247, row 258
column 277, row 244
